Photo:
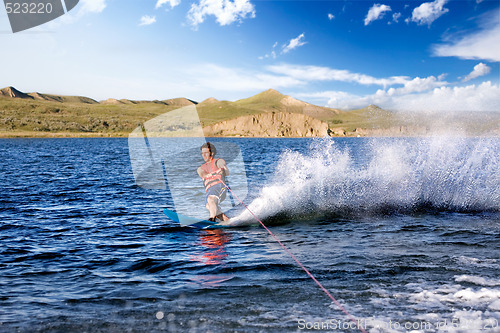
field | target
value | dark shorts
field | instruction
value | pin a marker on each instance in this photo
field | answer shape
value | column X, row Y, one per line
column 219, row 190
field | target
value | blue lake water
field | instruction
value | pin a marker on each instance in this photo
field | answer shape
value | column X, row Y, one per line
column 404, row 233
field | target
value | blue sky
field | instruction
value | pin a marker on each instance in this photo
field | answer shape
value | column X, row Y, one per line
column 401, row 55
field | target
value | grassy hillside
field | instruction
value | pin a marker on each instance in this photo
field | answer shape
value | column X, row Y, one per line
column 41, row 118
column 43, row 115
column 62, row 99
column 45, row 118
column 213, row 111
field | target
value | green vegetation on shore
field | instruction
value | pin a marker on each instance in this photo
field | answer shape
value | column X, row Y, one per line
column 42, row 115
column 43, row 118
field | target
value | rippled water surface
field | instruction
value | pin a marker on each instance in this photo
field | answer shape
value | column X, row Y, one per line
column 400, row 231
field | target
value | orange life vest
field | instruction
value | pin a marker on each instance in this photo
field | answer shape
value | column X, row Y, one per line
column 214, row 174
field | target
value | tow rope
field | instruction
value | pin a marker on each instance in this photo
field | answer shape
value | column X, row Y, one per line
column 352, row 318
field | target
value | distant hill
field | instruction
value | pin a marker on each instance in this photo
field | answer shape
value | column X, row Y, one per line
column 63, row 99
column 210, row 100
column 213, row 111
column 38, row 115
column 12, row 92
column 272, row 100
column 173, row 101
column 179, row 101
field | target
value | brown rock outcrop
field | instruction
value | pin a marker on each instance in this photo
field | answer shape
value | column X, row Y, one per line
column 272, row 124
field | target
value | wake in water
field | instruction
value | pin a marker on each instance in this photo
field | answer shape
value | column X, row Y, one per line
column 392, row 176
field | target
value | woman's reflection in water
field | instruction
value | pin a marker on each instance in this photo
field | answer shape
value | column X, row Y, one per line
column 213, row 253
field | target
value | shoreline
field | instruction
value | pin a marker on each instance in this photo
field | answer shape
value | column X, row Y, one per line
column 44, row 135
column 65, row 135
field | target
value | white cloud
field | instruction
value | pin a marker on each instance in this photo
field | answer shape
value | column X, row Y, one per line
column 317, row 73
column 479, row 70
column 225, row 11
column 294, row 43
column 395, row 17
column 482, row 44
column 331, row 16
column 147, row 20
column 482, row 97
column 91, row 6
column 376, row 12
column 272, row 54
column 216, row 78
column 336, row 99
column 172, row 3
column 417, row 85
column 287, row 47
column 429, row 93
column 428, row 12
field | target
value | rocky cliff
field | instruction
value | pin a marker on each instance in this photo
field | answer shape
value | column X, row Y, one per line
column 272, row 124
